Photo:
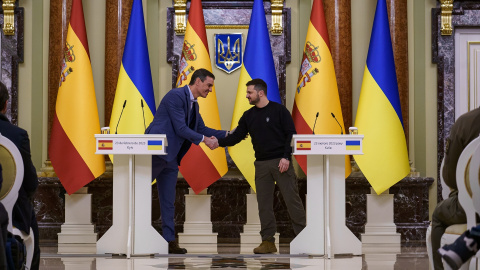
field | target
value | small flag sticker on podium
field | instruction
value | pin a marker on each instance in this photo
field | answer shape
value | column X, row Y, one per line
column 304, row 145
column 155, row 145
column 353, row 145
column 105, row 144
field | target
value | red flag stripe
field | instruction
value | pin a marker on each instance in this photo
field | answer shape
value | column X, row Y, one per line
column 78, row 24
column 190, row 169
column 302, row 128
column 317, row 18
column 63, row 147
column 197, row 22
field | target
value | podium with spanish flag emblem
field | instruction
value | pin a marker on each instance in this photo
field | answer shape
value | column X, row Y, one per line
column 132, row 232
column 326, row 232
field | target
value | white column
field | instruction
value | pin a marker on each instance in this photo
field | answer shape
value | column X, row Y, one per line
column 380, row 242
column 250, row 238
column 77, row 233
column 197, row 236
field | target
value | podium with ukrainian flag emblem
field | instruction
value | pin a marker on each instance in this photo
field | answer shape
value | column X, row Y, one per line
column 132, row 232
column 326, row 232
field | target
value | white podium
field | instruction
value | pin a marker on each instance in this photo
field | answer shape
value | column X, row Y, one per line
column 132, row 232
column 326, row 232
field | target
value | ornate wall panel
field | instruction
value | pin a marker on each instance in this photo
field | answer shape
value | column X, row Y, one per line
column 235, row 14
column 12, row 53
column 465, row 14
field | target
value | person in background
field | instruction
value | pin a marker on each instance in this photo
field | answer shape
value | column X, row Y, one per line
column 23, row 214
column 460, row 251
column 449, row 211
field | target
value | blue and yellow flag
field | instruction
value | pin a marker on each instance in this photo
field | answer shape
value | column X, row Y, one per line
column 257, row 63
column 379, row 116
column 134, row 92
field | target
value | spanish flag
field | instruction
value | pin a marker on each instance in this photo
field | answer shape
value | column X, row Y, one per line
column 379, row 116
column 200, row 166
column 72, row 142
column 134, row 93
column 316, row 91
column 257, row 63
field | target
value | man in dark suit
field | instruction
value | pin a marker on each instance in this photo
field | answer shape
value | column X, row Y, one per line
column 178, row 117
column 23, row 214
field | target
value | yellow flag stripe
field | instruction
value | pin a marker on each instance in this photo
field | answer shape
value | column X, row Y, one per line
column 74, row 104
column 243, row 154
column 385, row 159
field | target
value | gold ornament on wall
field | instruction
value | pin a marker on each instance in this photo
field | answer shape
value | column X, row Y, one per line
column 180, row 19
column 8, row 17
column 277, row 20
column 447, row 8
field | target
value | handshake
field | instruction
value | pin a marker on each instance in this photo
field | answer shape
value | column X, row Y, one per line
column 211, row 142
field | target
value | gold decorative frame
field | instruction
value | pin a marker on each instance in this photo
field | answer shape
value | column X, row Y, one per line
column 447, row 8
column 180, row 19
column 8, row 17
column 277, row 24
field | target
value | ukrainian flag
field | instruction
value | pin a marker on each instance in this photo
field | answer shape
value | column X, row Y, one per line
column 379, row 116
column 257, row 63
column 134, row 81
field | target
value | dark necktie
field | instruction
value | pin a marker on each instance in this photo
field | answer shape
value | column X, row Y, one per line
column 192, row 116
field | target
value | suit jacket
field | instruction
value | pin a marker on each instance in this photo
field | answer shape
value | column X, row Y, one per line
column 23, row 209
column 172, row 118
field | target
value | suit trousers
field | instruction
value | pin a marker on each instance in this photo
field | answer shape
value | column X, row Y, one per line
column 266, row 174
column 166, row 174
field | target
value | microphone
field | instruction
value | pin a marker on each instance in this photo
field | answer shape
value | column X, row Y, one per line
column 316, row 117
column 341, row 129
column 124, row 103
column 143, row 111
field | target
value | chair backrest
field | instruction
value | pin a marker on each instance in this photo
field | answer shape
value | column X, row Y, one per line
column 463, row 181
column 12, row 172
column 474, row 175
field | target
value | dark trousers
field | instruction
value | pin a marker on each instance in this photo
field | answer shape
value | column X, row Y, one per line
column 166, row 174
column 3, row 236
column 266, row 174
column 448, row 212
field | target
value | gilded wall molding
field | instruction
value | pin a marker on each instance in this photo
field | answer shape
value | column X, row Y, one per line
column 447, row 8
column 8, row 17
column 180, row 19
column 277, row 10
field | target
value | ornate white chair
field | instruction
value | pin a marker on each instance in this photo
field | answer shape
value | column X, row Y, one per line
column 12, row 172
column 474, row 175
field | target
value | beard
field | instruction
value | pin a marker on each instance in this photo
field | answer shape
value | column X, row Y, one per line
column 254, row 101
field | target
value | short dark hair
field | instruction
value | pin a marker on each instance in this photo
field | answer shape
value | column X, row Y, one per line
column 202, row 74
column 259, row 85
column 3, row 96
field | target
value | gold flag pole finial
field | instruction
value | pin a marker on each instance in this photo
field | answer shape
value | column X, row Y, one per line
column 180, row 19
column 277, row 20
column 447, row 8
column 8, row 17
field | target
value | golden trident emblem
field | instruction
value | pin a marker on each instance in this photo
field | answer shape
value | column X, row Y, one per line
column 230, row 57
